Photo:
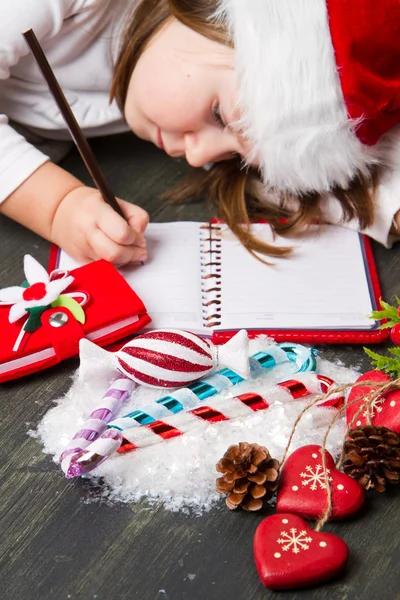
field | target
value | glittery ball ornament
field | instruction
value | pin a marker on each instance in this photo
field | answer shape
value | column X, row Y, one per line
column 174, row 358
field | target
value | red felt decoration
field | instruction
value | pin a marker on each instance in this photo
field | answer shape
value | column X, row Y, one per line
column 113, row 312
column 385, row 410
column 35, row 291
column 303, row 488
column 289, row 554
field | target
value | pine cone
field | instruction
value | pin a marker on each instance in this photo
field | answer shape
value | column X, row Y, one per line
column 250, row 476
column 373, row 457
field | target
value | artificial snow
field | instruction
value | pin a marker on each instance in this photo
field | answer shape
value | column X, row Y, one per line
column 180, row 473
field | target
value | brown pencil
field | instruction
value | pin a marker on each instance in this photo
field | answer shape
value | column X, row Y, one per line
column 72, row 124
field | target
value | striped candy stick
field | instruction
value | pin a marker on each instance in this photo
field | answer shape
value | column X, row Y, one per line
column 85, row 461
column 111, row 440
column 120, row 390
column 177, row 424
column 81, row 464
column 217, row 410
column 188, row 398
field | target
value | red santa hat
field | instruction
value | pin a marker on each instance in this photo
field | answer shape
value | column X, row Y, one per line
column 319, row 85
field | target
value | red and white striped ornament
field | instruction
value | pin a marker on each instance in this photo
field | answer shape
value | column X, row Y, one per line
column 175, row 358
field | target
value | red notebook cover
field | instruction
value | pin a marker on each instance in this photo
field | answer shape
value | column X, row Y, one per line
column 113, row 312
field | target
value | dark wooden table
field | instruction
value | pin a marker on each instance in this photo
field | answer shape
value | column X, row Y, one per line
column 57, row 545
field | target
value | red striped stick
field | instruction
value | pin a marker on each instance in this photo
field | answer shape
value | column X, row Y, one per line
column 297, row 389
column 205, row 413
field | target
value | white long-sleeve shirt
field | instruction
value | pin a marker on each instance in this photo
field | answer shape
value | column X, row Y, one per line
column 80, row 39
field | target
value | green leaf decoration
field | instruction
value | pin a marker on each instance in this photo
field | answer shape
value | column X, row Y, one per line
column 386, row 363
column 379, row 314
column 388, row 312
column 73, row 306
column 387, row 325
column 391, row 311
column 33, row 323
column 373, row 355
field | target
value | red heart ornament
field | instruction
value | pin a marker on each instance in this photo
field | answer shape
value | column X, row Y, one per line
column 385, row 410
column 289, row 554
column 303, row 490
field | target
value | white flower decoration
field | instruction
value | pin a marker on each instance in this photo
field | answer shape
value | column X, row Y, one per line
column 41, row 291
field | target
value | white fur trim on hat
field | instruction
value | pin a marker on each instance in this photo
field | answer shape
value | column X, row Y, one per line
column 293, row 109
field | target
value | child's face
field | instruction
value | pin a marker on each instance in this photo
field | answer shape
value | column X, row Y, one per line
column 182, row 97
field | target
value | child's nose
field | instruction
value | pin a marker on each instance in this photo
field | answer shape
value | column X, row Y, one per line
column 203, row 148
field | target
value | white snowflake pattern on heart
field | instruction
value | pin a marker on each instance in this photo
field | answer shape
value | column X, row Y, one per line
column 373, row 409
column 315, row 477
column 291, row 540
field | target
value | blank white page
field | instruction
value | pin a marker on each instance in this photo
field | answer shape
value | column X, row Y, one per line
column 169, row 283
column 322, row 285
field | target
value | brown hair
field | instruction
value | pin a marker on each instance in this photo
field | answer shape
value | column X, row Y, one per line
column 232, row 188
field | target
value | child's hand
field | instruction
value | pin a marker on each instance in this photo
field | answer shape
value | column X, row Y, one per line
column 87, row 228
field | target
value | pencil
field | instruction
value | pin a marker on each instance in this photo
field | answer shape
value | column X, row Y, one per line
column 76, row 132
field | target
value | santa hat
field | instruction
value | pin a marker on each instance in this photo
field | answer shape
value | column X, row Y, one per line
column 319, row 85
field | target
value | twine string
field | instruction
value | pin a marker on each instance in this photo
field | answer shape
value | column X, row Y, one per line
column 319, row 398
column 323, row 519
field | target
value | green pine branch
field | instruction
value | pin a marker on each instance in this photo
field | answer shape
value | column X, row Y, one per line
column 386, row 363
column 389, row 313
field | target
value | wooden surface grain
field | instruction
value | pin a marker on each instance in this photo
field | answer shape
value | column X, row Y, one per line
column 61, row 540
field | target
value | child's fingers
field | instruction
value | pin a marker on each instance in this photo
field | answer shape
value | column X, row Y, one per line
column 137, row 218
column 117, row 229
column 119, row 254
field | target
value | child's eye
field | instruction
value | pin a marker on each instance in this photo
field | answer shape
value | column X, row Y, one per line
column 218, row 117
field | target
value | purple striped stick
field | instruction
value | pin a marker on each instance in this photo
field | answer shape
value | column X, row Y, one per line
column 96, row 453
column 98, row 419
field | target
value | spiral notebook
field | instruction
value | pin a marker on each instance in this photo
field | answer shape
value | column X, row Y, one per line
column 199, row 277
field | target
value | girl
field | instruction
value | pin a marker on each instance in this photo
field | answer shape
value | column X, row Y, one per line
column 294, row 102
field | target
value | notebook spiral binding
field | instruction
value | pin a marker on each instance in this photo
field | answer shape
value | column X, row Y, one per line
column 210, row 249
